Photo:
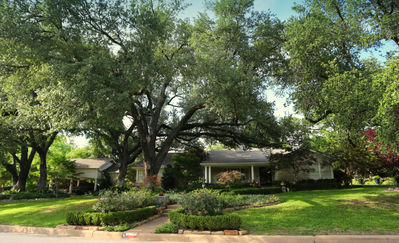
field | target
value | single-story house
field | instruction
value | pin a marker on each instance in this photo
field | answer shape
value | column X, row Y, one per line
column 139, row 167
column 93, row 169
column 255, row 164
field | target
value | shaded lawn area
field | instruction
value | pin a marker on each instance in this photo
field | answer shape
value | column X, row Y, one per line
column 44, row 212
column 346, row 211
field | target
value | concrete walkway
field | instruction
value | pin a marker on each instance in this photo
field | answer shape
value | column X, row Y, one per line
column 150, row 226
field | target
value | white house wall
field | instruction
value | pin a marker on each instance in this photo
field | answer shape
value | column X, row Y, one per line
column 88, row 173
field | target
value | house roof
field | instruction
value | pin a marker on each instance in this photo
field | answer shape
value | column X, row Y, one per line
column 232, row 156
column 96, row 163
column 167, row 161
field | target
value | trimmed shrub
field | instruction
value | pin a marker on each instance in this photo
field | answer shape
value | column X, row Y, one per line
column 391, row 181
column 119, row 228
column 218, row 222
column 167, row 228
column 4, row 197
column 110, row 218
column 369, row 182
column 314, row 185
column 113, row 201
column 256, row 190
column 202, row 202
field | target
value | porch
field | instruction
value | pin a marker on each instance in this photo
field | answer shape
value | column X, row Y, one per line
column 252, row 173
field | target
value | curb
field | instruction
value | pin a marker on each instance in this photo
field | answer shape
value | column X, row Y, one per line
column 104, row 235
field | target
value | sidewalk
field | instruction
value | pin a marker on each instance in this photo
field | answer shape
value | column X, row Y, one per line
column 143, row 236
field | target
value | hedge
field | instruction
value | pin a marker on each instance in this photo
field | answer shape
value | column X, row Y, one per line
column 3, row 197
column 322, row 184
column 218, row 222
column 257, row 190
column 110, row 218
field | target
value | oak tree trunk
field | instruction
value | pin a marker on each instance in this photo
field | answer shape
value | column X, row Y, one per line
column 42, row 184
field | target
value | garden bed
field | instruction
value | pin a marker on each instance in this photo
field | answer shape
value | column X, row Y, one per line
column 110, row 218
column 214, row 223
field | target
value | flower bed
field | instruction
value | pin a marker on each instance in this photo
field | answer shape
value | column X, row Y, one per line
column 113, row 201
column 110, row 218
column 217, row 222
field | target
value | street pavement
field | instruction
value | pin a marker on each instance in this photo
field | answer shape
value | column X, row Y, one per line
column 28, row 238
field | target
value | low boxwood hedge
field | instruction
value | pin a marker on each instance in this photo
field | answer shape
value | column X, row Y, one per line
column 218, row 222
column 305, row 185
column 257, row 190
column 110, row 218
column 3, row 197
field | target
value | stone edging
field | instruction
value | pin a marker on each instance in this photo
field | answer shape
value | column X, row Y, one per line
column 207, row 232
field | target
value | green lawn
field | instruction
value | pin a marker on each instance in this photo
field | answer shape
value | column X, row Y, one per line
column 348, row 211
column 45, row 213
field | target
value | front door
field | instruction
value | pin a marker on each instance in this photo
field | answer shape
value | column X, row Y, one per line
column 265, row 176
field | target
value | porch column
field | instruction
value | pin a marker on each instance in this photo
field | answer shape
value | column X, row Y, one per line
column 206, row 173
column 137, row 175
column 252, row 173
column 319, row 171
column 210, row 174
column 70, row 186
column 77, row 183
column 95, row 184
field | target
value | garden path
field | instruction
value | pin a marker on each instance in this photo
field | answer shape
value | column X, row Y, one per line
column 150, row 226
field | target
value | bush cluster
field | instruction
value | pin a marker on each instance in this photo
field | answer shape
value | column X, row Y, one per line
column 110, row 218
column 32, row 195
column 217, row 222
column 201, row 202
column 167, row 228
column 390, row 181
column 314, row 185
column 112, row 201
column 205, row 202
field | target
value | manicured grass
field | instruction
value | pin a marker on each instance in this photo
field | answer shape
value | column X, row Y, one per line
column 346, row 211
column 45, row 212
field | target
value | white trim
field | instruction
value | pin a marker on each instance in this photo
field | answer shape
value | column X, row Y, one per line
column 95, row 184
column 210, row 174
column 206, row 173
column 234, row 164
column 105, row 166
